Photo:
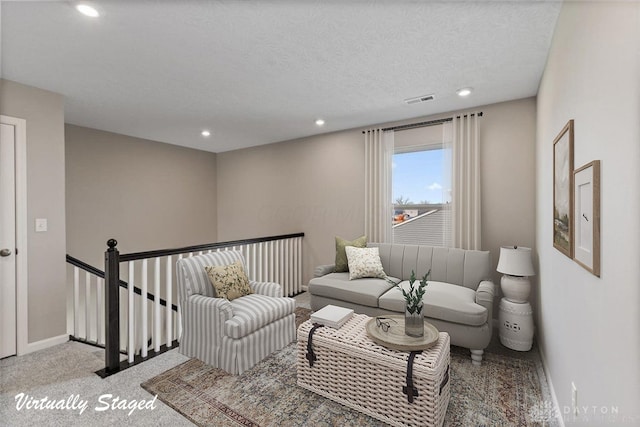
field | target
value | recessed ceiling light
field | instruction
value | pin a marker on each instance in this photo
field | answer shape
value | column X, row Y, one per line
column 319, row 122
column 87, row 10
column 465, row 91
column 205, row 133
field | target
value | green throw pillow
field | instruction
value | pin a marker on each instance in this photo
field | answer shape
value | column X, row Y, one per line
column 342, row 264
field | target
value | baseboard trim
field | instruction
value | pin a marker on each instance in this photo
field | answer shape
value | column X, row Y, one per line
column 44, row 344
column 552, row 391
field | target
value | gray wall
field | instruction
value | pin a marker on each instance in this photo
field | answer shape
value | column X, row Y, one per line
column 44, row 115
column 145, row 194
column 589, row 327
column 316, row 185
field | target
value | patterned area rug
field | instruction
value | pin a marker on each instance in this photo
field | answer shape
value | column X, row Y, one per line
column 504, row 391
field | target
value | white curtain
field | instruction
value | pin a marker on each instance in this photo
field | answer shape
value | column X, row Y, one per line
column 378, row 150
column 465, row 181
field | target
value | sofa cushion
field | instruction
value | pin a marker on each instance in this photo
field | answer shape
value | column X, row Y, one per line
column 341, row 264
column 362, row 291
column 254, row 311
column 443, row 301
column 364, row 262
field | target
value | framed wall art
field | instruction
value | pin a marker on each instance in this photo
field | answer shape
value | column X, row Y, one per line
column 563, row 190
column 586, row 214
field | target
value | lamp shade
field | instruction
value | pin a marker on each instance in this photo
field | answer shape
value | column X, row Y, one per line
column 515, row 261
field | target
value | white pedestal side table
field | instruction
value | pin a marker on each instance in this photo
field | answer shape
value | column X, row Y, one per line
column 516, row 325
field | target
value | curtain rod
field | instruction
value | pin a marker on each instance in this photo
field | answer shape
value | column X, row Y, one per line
column 425, row 124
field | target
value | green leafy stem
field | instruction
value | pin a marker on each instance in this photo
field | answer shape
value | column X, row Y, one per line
column 414, row 295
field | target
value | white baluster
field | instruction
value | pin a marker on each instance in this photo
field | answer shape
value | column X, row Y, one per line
column 292, row 270
column 100, row 310
column 299, row 262
column 272, row 261
column 287, row 266
column 260, row 266
column 281, row 267
column 87, row 305
column 131, row 347
column 294, row 273
column 143, row 311
column 278, row 254
column 169, row 299
column 76, row 302
column 179, row 331
column 157, row 334
column 254, row 261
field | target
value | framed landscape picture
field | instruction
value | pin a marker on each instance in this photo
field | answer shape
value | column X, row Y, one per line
column 586, row 216
column 563, row 190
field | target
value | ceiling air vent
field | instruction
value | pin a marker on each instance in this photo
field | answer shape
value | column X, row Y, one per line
column 418, row 99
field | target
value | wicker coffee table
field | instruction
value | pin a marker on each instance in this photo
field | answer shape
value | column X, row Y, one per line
column 346, row 366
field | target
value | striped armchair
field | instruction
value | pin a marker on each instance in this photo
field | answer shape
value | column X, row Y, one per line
column 230, row 335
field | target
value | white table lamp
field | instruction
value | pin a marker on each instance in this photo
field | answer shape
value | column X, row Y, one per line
column 515, row 263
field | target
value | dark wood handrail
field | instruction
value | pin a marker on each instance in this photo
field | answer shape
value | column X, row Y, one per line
column 93, row 270
column 204, row 247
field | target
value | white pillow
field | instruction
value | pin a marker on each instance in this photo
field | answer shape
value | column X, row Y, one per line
column 364, row 262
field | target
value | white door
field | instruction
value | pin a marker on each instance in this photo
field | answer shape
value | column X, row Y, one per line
column 7, row 241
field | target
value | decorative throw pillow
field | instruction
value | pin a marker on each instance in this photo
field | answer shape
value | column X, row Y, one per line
column 230, row 281
column 364, row 262
column 342, row 264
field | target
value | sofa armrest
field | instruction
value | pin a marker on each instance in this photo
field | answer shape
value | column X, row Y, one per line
column 485, row 295
column 323, row 270
column 269, row 289
column 214, row 312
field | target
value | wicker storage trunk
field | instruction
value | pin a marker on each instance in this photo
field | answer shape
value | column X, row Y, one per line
column 354, row 371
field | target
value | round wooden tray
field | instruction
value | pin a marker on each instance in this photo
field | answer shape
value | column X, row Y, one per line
column 395, row 337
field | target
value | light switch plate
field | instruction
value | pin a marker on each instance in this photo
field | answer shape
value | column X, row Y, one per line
column 41, row 224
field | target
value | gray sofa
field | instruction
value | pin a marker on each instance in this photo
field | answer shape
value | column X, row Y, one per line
column 458, row 299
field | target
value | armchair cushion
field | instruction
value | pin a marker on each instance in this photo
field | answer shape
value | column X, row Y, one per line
column 230, row 281
column 253, row 312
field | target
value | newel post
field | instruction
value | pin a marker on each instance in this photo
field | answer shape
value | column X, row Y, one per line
column 112, row 307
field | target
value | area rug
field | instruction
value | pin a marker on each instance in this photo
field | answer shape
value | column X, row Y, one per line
column 502, row 392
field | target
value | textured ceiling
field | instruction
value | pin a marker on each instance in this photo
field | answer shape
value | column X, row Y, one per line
column 256, row 72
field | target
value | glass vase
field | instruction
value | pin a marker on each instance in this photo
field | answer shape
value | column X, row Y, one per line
column 414, row 322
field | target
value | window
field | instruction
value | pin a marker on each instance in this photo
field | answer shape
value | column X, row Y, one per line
column 421, row 196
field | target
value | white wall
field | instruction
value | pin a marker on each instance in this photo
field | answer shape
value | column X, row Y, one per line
column 589, row 327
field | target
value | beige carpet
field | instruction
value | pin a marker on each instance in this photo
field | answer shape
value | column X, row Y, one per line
column 504, row 391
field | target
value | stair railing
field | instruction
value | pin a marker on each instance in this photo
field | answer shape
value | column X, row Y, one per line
column 275, row 259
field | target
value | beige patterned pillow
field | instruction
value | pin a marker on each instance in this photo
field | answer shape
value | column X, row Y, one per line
column 230, row 281
column 341, row 264
column 364, row 262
